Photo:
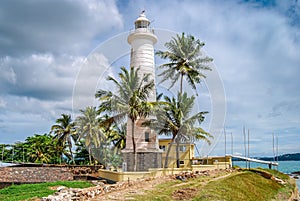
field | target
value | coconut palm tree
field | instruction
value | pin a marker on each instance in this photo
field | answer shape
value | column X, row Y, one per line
column 185, row 60
column 117, row 134
column 65, row 132
column 88, row 128
column 175, row 120
column 39, row 148
column 130, row 99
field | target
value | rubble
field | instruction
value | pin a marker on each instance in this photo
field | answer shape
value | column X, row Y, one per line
column 183, row 176
column 76, row 194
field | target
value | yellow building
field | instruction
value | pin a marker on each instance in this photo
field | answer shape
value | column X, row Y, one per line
column 187, row 156
column 186, row 153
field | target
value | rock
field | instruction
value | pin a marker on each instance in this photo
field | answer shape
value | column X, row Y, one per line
column 60, row 188
column 278, row 180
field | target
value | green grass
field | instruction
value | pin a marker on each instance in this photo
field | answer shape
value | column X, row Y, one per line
column 245, row 185
column 164, row 191
column 276, row 173
column 31, row 191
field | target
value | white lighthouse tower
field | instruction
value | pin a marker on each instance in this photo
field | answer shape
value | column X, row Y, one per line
column 142, row 40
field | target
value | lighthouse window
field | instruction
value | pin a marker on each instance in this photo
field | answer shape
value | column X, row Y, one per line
column 141, row 24
column 147, row 137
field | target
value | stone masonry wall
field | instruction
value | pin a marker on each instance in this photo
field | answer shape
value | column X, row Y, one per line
column 145, row 160
column 34, row 174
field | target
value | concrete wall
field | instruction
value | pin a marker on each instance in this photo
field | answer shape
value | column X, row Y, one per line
column 155, row 172
column 34, row 174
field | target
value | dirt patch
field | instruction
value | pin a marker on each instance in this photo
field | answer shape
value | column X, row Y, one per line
column 184, row 193
column 133, row 189
column 140, row 187
column 53, row 187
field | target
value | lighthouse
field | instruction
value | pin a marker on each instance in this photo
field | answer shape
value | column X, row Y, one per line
column 142, row 40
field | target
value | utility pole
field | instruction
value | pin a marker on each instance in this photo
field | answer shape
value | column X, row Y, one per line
column 231, row 148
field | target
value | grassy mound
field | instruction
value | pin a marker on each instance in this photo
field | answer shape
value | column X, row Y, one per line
column 244, row 185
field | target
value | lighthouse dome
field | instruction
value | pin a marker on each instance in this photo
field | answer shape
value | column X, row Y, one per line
column 142, row 21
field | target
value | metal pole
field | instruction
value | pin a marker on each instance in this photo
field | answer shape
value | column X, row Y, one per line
column 277, row 148
column 245, row 145
column 274, row 153
column 231, row 149
column 225, row 148
column 249, row 146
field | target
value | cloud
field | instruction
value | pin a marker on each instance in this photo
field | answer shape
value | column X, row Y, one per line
column 254, row 45
column 255, row 48
column 40, row 76
column 53, row 25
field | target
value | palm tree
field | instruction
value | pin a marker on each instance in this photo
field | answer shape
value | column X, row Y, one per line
column 175, row 120
column 130, row 100
column 39, row 148
column 117, row 134
column 65, row 132
column 88, row 128
column 185, row 61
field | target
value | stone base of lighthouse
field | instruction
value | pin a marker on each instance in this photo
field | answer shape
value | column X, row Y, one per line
column 145, row 160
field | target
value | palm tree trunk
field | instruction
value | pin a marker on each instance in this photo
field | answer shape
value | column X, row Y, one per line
column 90, row 157
column 168, row 152
column 177, row 140
column 181, row 84
column 134, row 146
column 177, row 153
column 71, row 153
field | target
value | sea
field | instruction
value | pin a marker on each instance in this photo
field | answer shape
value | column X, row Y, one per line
column 287, row 167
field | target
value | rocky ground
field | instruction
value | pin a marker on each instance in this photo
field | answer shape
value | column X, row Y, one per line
column 124, row 190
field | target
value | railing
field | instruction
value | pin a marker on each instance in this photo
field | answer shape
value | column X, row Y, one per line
column 142, row 30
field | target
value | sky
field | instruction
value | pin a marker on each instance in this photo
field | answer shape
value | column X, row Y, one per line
column 45, row 46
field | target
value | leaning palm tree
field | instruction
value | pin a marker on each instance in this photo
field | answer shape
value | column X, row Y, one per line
column 65, row 132
column 185, row 60
column 129, row 101
column 175, row 120
column 88, row 128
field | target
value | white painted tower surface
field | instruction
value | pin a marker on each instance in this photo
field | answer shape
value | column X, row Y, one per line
column 142, row 40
